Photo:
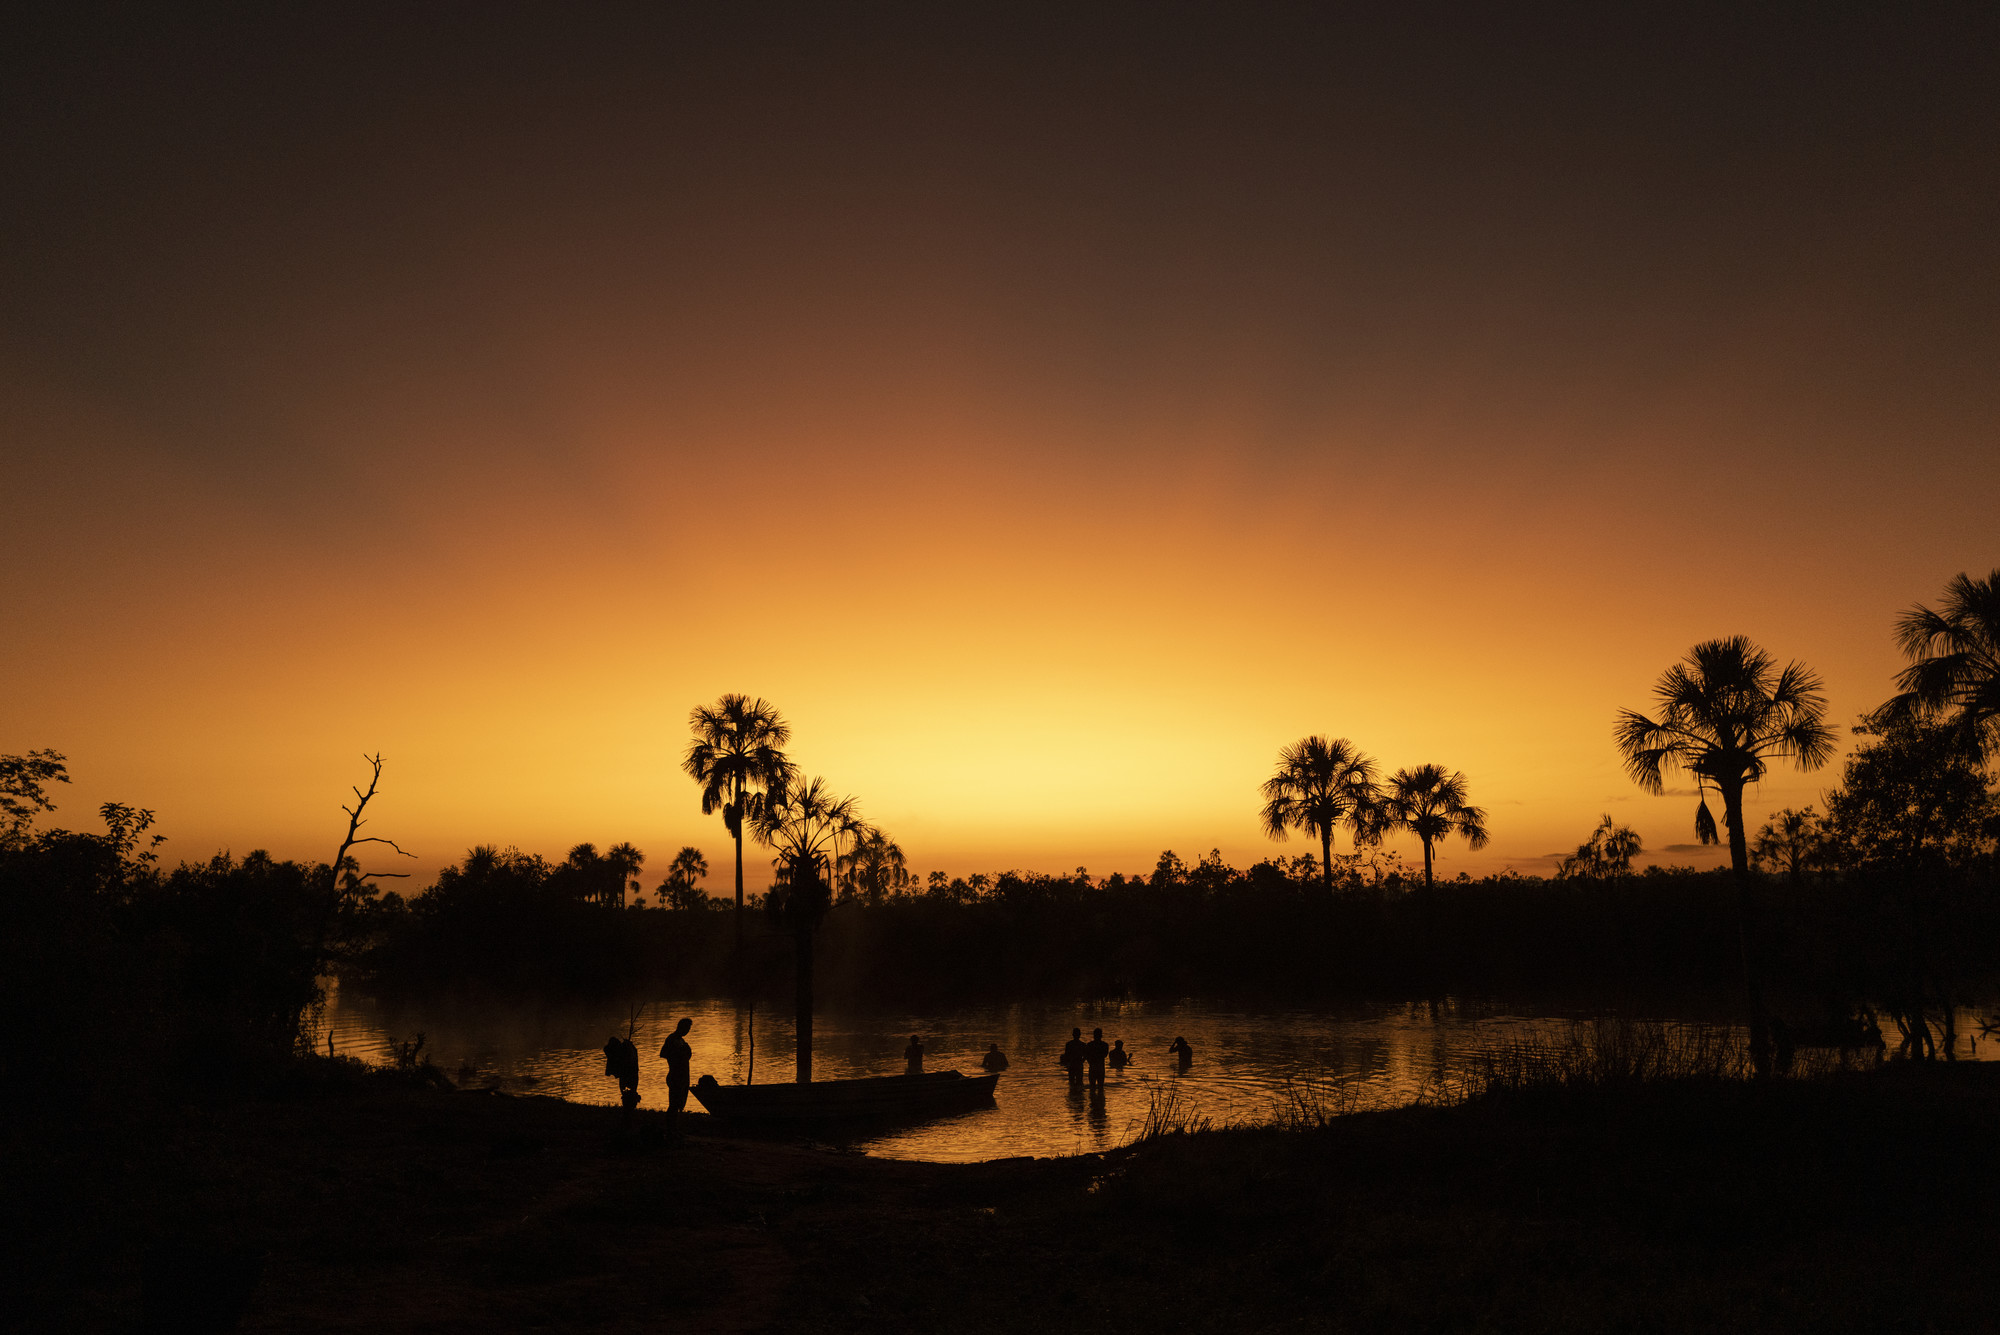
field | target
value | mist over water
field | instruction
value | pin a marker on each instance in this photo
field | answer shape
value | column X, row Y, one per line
column 1246, row 1059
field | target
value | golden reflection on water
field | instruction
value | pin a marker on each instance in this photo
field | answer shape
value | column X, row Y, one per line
column 1245, row 1060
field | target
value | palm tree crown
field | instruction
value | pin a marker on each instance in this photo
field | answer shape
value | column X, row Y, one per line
column 1320, row 785
column 801, row 820
column 682, row 887
column 1725, row 714
column 1790, row 840
column 736, row 758
column 1608, row 852
column 1429, row 802
column 1954, row 653
column 874, row 868
column 623, row 862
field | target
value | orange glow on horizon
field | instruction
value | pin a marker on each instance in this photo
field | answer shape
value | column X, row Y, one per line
column 1053, row 424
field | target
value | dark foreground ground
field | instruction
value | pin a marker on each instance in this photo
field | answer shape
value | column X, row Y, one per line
column 1860, row 1203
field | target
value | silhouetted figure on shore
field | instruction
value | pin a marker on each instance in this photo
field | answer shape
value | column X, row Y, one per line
column 1094, row 1053
column 913, row 1057
column 1118, row 1059
column 1185, row 1054
column 679, row 1057
column 621, row 1060
column 994, row 1060
column 1072, row 1057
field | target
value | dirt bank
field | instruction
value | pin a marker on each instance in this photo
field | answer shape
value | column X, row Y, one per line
column 1859, row 1204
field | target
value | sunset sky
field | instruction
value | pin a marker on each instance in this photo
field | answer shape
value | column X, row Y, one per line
column 1054, row 410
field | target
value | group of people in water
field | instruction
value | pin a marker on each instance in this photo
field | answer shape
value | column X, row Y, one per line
column 1085, row 1061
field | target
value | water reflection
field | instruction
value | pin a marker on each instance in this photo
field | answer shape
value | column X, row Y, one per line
column 1245, row 1059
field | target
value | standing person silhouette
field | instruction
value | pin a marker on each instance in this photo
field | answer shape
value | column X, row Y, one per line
column 913, row 1057
column 1094, row 1053
column 1118, row 1059
column 1180, row 1047
column 994, row 1060
column 679, row 1057
column 1072, row 1057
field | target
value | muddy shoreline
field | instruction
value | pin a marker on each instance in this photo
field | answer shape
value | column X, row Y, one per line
column 1855, row 1203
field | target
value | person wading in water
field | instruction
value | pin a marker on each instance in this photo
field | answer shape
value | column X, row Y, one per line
column 1072, row 1057
column 1094, row 1053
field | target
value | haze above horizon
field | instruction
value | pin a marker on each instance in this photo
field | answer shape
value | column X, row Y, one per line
column 1055, row 414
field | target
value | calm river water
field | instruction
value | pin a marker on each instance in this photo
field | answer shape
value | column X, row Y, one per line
column 1245, row 1059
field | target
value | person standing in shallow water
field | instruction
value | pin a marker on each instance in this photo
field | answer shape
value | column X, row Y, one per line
column 913, row 1057
column 1179, row 1047
column 1094, row 1053
column 994, row 1060
column 1118, row 1059
column 1072, row 1057
column 679, row 1058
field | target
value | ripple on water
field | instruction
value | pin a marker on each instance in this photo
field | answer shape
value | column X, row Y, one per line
column 1246, row 1059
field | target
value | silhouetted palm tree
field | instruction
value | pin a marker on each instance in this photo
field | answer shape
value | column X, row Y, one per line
column 682, row 887
column 1608, row 852
column 622, row 861
column 1430, row 803
column 1954, row 655
column 736, row 759
column 1321, row 785
column 1790, row 839
column 801, row 820
column 1725, row 714
column 874, row 869
column 588, row 868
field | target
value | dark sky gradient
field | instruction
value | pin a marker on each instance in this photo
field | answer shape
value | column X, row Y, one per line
column 1485, row 329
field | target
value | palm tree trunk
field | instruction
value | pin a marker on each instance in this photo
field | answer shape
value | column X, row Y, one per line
column 802, row 946
column 1427, row 865
column 1746, row 928
column 1326, row 858
column 738, row 823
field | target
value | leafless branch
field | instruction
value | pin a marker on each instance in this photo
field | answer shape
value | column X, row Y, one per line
column 354, row 838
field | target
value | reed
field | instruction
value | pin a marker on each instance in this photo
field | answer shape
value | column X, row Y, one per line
column 1600, row 1054
column 1170, row 1113
column 1314, row 1105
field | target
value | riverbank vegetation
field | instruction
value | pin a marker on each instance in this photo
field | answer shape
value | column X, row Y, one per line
column 1883, row 907
column 1590, row 1195
column 1886, row 904
column 1888, row 901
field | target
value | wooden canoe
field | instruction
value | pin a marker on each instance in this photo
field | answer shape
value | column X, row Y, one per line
column 883, row 1096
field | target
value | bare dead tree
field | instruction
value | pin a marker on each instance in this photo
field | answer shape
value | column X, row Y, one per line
column 342, row 862
column 339, row 892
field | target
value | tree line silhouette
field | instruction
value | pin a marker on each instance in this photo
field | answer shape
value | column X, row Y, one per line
column 1884, row 897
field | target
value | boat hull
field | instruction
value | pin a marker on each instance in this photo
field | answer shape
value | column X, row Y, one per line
column 877, row 1097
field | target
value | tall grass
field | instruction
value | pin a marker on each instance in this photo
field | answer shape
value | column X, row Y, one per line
column 1169, row 1112
column 1600, row 1054
column 1313, row 1105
